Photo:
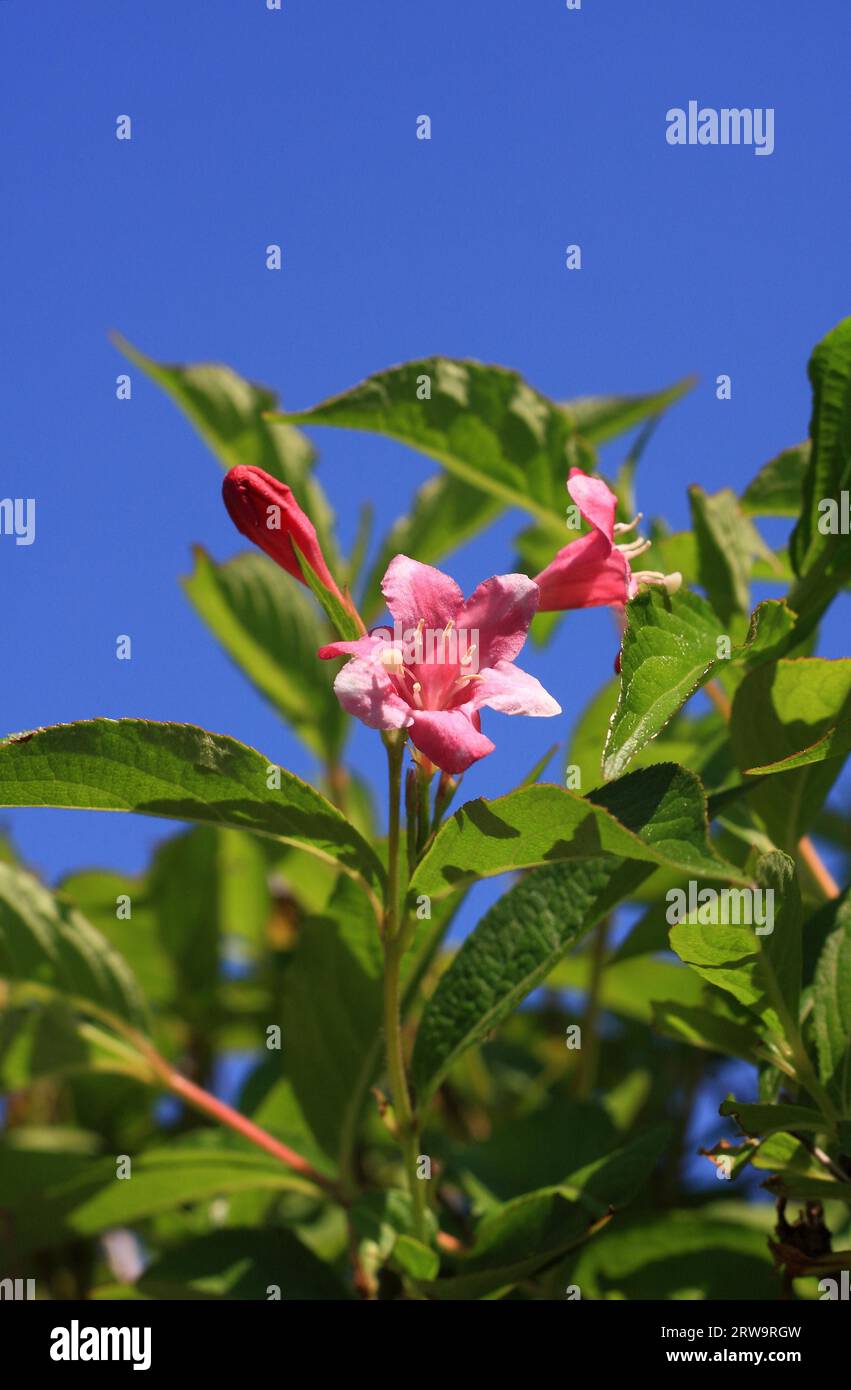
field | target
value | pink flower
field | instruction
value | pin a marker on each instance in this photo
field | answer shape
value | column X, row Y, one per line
column 594, row 569
column 444, row 660
column 266, row 511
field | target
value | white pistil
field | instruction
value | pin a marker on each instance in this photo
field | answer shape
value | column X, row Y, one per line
column 634, row 548
column 621, row 527
column 418, row 694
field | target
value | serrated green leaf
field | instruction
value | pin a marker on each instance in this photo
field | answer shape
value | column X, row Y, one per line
column 760, row 968
column 836, row 743
column 831, row 996
column 656, row 816
column 699, row 743
column 511, row 951
column 670, row 649
column 268, row 626
column 777, row 711
column 483, row 423
column 726, row 546
column 776, row 489
column 181, row 772
column 829, row 467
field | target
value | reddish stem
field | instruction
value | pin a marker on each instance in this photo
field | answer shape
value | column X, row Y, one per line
column 226, row 1115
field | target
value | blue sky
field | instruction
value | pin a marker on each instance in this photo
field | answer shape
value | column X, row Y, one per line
column 298, row 127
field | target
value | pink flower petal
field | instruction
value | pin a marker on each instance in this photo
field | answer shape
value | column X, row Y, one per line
column 511, row 691
column 415, row 591
column 595, row 500
column 449, row 738
column 365, row 646
column 588, row 572
column 501, row 609
column 363, row 688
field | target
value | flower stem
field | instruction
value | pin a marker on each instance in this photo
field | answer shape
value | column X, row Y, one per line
column 210, row 1105
column 160, row 1070
column 394, row 947
column 405, row 1119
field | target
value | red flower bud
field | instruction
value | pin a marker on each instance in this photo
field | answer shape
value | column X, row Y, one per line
column 267, row 513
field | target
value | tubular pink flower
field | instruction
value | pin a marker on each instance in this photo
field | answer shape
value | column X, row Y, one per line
column 594, row 569
column 445, row 660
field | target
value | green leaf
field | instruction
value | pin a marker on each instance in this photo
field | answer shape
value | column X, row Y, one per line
column 49, row 944
column 445, row 513
column 484, row 424
column 230, row 414
column 46, row 1038
column 831, row 997
column 331, row 1018
column 181, row 772
column 58, row 1197
column 600, row 418
column 830, row 461
column 777, row 711
column 413, row 1258
column 772, row 1119
column 208, row 891
column 533, row 1150
column 380, row 1217
column 512, row 950
column 699, row 744
column 629, row 988
column 836, row 743
column 705, row 1028
column 98, row 894
column 680, row 1255
column 518, row 1238
column 341, row 618
column 242, row 1263
column 776, row 489
column 670, row 649
column 267, row 624
column 726, row 546
column 656, row 816
column 762, row 971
